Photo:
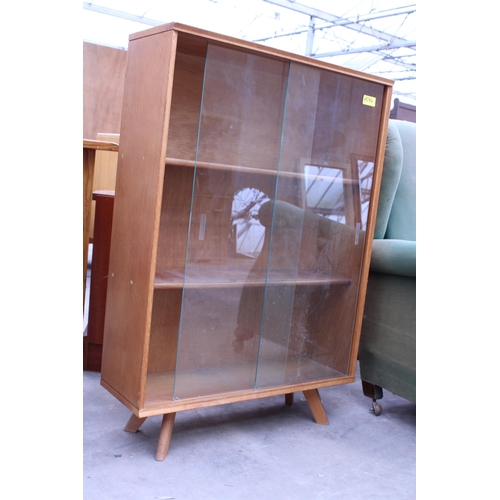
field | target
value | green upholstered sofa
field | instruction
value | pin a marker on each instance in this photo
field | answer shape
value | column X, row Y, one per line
column 387, row 353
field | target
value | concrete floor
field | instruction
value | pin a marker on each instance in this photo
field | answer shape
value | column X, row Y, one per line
column 259, row 449
column 262, row 449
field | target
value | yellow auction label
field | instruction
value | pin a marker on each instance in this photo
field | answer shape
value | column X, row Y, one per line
column 369, row 100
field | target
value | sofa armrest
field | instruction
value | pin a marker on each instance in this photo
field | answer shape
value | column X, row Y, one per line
column 394, row 257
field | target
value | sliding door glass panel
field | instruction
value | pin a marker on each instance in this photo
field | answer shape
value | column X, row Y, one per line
column 315, row 227
column 241, row 121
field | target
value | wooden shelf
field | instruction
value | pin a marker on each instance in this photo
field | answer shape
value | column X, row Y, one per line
column 178, row 162
column 100, row 145
column 230, row 382
column 217, row 278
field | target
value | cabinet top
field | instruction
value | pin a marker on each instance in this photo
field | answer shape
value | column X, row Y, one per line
column 255, row 47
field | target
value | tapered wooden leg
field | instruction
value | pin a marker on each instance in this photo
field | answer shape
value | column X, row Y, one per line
column 167, row 425
column 316, row 406
column 289, row 398
column 134, row 423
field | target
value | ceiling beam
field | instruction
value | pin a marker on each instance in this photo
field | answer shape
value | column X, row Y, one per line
column 343, row 22
column 340, row 21
column 374, row 48
column 121, row 14
column 393, row 42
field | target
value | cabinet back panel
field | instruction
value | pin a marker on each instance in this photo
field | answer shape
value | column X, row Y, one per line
column 346, row 127
column 243, row 97
column 174, row 219
column 186, row 102
column 242, row 112
column 164, row 330
column 214, row 193
column 310, row 242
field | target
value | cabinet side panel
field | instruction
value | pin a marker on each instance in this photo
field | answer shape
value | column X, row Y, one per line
column 139, row 183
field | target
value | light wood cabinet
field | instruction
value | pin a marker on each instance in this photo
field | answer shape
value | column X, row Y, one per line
column 244, row 211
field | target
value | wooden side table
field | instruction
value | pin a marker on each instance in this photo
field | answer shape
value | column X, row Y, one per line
column 89, row 148
column 92, row 342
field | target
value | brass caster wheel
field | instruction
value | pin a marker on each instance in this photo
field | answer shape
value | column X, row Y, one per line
column 377, row 409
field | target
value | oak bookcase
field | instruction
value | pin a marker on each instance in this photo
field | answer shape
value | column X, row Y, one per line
column 244, row 211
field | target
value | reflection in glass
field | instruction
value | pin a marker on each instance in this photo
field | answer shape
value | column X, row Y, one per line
column 365, row 169
column 325, row 192
column 247, row 231
column 339, row 195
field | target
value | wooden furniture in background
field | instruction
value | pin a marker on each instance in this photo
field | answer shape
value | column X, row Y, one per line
column 239, row 251
column 103, row 80
column 104, row 172
column 89, row 152
column 403, row 111
column 92, row 342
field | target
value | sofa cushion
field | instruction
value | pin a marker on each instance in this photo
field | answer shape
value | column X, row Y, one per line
column 393, row 161
column 394, row 257
column 402, row 221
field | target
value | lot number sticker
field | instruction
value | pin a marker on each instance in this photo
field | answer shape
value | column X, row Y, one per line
column 369, row 100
